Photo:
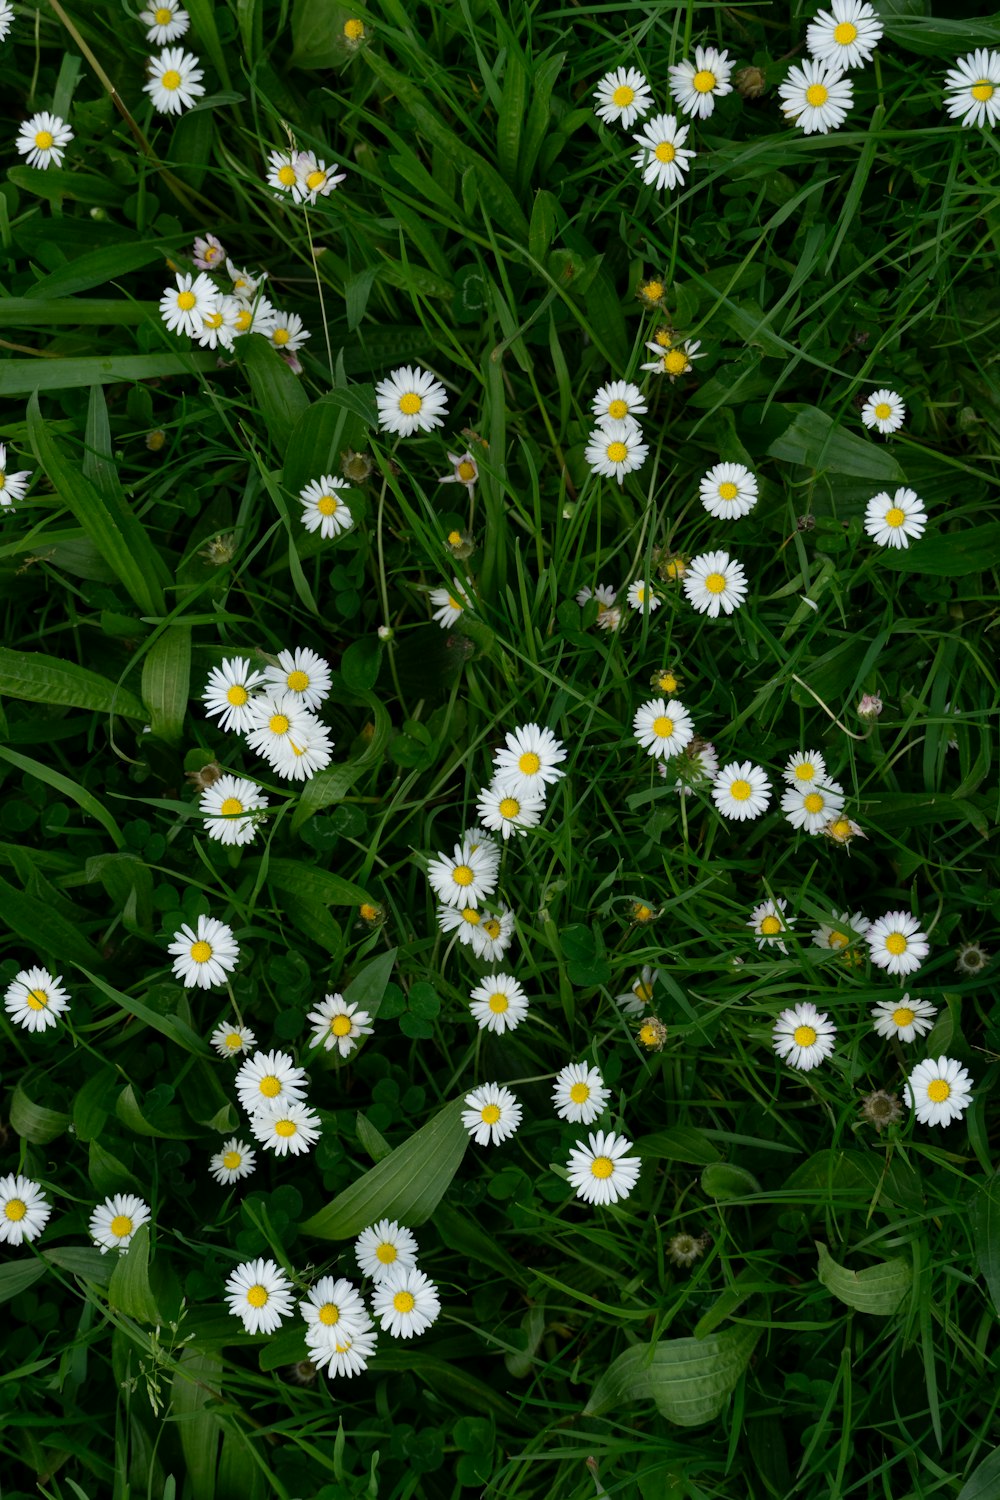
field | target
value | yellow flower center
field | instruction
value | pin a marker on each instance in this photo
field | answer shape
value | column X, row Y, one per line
column 509, row 807
column 896, row 943
column 740, row 790
column 498, row 1003
column 466, row 471
column 404, row 1302
column 817, row 95
column 653, row 291
column 676, row 362
column 470, row 915
column 186, row 300
column 214, row 320
column 894, row 516
column 36, row 999
column 663, row 727
column 386, row 1253
column 982, row 90
column 278, row 724
column 454, row 539
column 329, row 1314
column 121, row 1225
column 845, row 33
column 617, row 453
column 602, row 1166
column 280, row 336
column 367, row 911
column 883, row 410
column 284, row 1128
column 837, row 940
column 257, row 1295
column 618, row 409
column 297, row 681
column 326, row 505
column 270, row 1086
column 641, row 913
column 234, row 1041
column 44, row 140
column 623, row 96
column 667, row 682
column 163, row 16
column 813, row 802
column 286, row 175
column 938, row 1090
column 237, row 695
column 804, row 1036
column 492, row 928
column 728, row 490
column 490, row 1114
column 529, row 763
column 171, row 79
column 243, row 319
column 341, row 1025
column 15, row 1209
column 201, row 951
column 716, row 583
column 770, row 926
column 315, row 180
column 805, row 772
column 704, row 81
column 410, row 404
column 579, row 1093
column 455, row 603
column 354, row 30
column 647, row 1034
column 642, row 991
column 231, row 1160
column 230, row 807
column 841, row 829
column 665, row 151
column 903, row 1015
column 462, row 875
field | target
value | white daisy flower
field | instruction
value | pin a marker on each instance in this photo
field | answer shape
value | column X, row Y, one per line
column 463, row 920
column 529, row 763
column 204, row 955
column 674, row 360
column 492, row 935
column 6, row 18
column 302, row 673
column 174, row 81
column 185, row 307
column 220, row 328
column 498, row 1004
column 36, row 1000
column 805, row 768
column 940, row 1090
column 338, row 1024
column 884, row 410
column 209, row 252
column 166, row 21
column 623, row 97
column 410, row 400
column 325, row 507
column 769, row 921
column 661, row 157
column 635, row 1001
column 260, row 1294
column 405, row 1302
column 315, row 179
column 904, row 1019
column 698, row 764
column 13, row 487
column 115, row 1221
column 245, row 284
column 845, row 36
column 383, row 1246
column 465, row 877
column 505, row 812
column 228, row 693
column 232, row 808
column 803, row 1036
column 270, row 1079
column 641, row 597
column 715, row 582
column 812, row 806
column 24, row 1208
column 579, row 1094
column 618, row 401
column 663, row 729
column 449, row 604
column 287, row 332
column 892, row 522
column 342, row 1352
column 300, row 755
column 274, row 718
column 493, row 1114
column 896, row 943
column 972, row 89
column 42, row 139
column 281, row 173
column 741, row 790
column 608, row 617
column 696, row 86
column 843, row 830
column 332, row 1307
column 728, row 491
column 601, row 1171
column 465, row 471
column 841, row 932
column 233, row 1160
column 816, row 97
column 231, row 1040
column 257, row 316
column 285, row 1128
column 616, row 449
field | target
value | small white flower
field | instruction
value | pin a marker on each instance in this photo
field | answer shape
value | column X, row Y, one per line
column 892, row 522
column 579, row 1094
column 803, row 1036
column 812, row 806
column 661, row 157
column 616, row 449
column 6, row 18
column 285, row 1128
column 115, row 1221
column 405, row 1302
column 839, row 934
column 499, row 1003
column 382, row 1246
column 896, row 943
column 529, row 763
column 449, row 604
column 255, row 316
column 13, row 487
column 166, row 21
column 228, row 693
column 232, row 1040
column 741, row 790
column 696, row 86
column 204, row 955
column 287, row 332
column 315, row 179
column 698, row 764
column 209, row 252
column 410, row 400
column 884, row 410
column 492, row 1114
column 940, row 1090
column 274, row 718
column 492, row 935
column 816, row 97
column 299, row 756
column 270, row 1079
column 220, row 328
column 972, row 89
column 904, row 1019
column 232, row 806
column 635, row 1001
column 185, row 307
column 641, row 597
column 728, row 491
column 42, row 139
column 281, row 173
column 465, row 471
column 623, row 96
column 338, row 1024
column 36, row 1000
column 769, row 921
column 601, row 1171
column 24, row 1208
column 233, row 1160
column 343, row 1352
column 260, row 1294
column 715, row 582
column 333, row 1307
column 465, row 877
column 245, row 285
column 174, row 81
column 608, row 617
column 674, row 360
column 302, row 673
column 844, row 36
column 663, row 729
column 504, row 811
column 617, row 401
column 805, row 768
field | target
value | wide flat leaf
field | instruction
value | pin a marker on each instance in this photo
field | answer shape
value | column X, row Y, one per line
column 368, row 986
column 38, row 924
column 36, row 678
column 689, row 1381
column 166, row 682
column 35, row 1122
column 952, row 554
column 24, row 377
column 194, row 1386
column 986, row 1234
column 95, row 268
column 984, row 1482
column 278, row 392
column 82, row 1260
column 879, row 1290
column 815, row 441
column 678, row 1143
column 129, row 1289
column 66, row 788
column 18, row 1275
column 28, row 312
column 320, row 886
column 169, row 1026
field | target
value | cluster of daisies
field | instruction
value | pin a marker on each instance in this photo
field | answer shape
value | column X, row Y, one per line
column 25, row 1211
column 274, row 710
column 216, row 312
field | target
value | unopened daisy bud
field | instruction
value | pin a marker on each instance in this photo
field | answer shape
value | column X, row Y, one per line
column 881, row 1109
column 652, row 1034
column 652, row 292
column 356, row 466
column 155, row 439
column 460, row 544
column 354, row 33
column 750, row 82
column 971, row 958
column 685, row 1249
column 870, row 706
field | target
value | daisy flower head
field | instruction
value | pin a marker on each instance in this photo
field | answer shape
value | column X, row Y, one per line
column 661, row 157
column 728, row 491
column 6, row 18
column 662, row 728
column 275, row 718
column 805, row 768
column 845, row 36
column 492, row 1114
column 338, row 1024
column 287, row 332
column 115, row 1221
column 895, row 943
column 245, row 285
column 208, row 253
column 185, row 307
column 449, row 604
column 616, row 449
column 812, row 806
column 233, row 1160
column 505, row 812
column 42, row 140
column 205, row 954
column 255, row 315
column 635, row 1000
column 462, row 920
column 300, row 755
column 741, row 790
column 232, row 1040
column 499, row 1004
column 769, row 921
column 166, row 21
column 602, row 1171
column 281, row 173
column 410, row 400
column 342, row 1351
column 652, row 1034
column 939, row 1089
column 803, row 1037
column 228, row 693
column 324, row 506
column 838, row 934
column 971, row 958
column 579, row 1094
column 641, row 597
column 608, row 615
column 972, row 89
column 696, row 86
column 674, row 360
column 715, row 582
column 623, row 97
column 302, row 673
column 174, row 81
column 220, row 327
column 382, row 1246
column 270, row 1079
column 529, row 763
column 13, row 487
column 904, row 1019
column 35, row 999
column 315, row 179
column 232, row 808
column 464, row 470
column 891, row 522
column 24, row 1210
column 465, row 877
column 331, row 1307
column 287, row 1128
column 698, row 764
column 261, row 1294
column 405, row 1302
column 842, row 830
column 816, row 96
column 492, row 935
column 884, row 410
column 617, row 401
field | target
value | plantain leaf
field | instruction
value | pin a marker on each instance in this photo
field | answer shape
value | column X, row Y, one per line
column 129, row 1289
column 689, row 1381
column 25, row 377
column 984, row 1482
column 281, row 398
column 814, row 440
column 950, row 554
column 36, row 922
column 986, row 1234
column 166, row 682
column 678, row 1143
column 36, row 678
column 879, row 1290
column 169, row 1026
column 319, row 886
column 195, row 1384
column 67, row 788
column 83, row 1261
column 16, row 1277
column 26, row 312
column 33, row 1121
column 367, row 988
column 723, row 1179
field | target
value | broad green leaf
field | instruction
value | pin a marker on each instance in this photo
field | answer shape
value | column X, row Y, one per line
column 367, row 988
column 54, row 184
column 538, row 123
column 296, row 878
column 107, row 1173
column 678, row 1143
column 321, row 434
column 85, row 312
column 723, row 1179
column 878, row 1290
column 66, row 788
column 938, row 37
column 984, row 1482
column 278, row 392
column 33, row 1121
column 194, row 1386
column 316, row 44
column 408, row 1185
column 817, row 442
column 129, row 1289
column 169, row 1026
column 986, row 1234
column 688, row 1380
column 24, row 377
column 129, row 884
column 82, row 1260
column 95, row 268
column 950, row 554
column 37, row 678
column 18, row 1275
column 174, row 1127
column 166, row 682
column 98, row 458
column 370, row 1139
column 512, row 111
column 335, row 782
column 37, row 923
column 205, row 31
column 285, row 1348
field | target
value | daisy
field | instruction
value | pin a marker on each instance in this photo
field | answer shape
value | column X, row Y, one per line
column 227, row 693
column 174, row 81
column 652, row 1034
column 805, row 768
column 232, row 1040
column 675, row 359
column 622, row 97
column 260, row 1294
column 616, row 449
column 493, row 1114
column 281, row 173
column 741, row 790
column 618, row 401
column 841, row 932
column 301, row 673
column 529, row 763
column 974, row 88
column 608, row 617
column 24, row 1208
column 803, row 1036
column 464, row 878
column 285, row 1128
column 13, row 487
column 896, row 943
column 463, row 920
column 41, row 140
column 298, row 757
column 634, row 1001
column 891, row 522
column 884, row 410
column 870, row 706
column 185, row 307
column 287, row 332
column 713, row 582
column 842, row 830
column 940, row 1090
column 661, row 157
column 641, row 597
column 769, row 921
column 502, row 810
column 342, row 1352
column 728, row 491
column 315, row 179
column 166, row 21
column 449, row 604
column 383, row 1246
column 36, row 1000
column 465, row 471
column 270, row 1079
column 410, row 400
column 220, row 327
column 663, row 729
column 208, row 251
column 233, row 1160
column 579, row 1094
column 245, row 285
column 6, row 18
column 904, row 1019
column 229, row 807
column 971, row 958
column 698, row 765
column 816, row 96
column 696, row 86
column 811, row 807
column 338, row 1025
column 601, row 1171
column 845, row 38
column 257, row 316
column 499, row 1004
column 492, row 935
column 405, row 1302
column 274, row 718
column 325, row 506
column 115, row 1221
column 204, row 956
column 331, row 1307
